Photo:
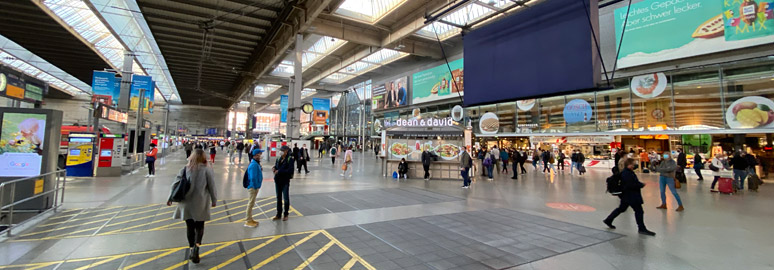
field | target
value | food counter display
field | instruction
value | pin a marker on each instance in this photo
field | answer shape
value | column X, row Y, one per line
column 409, row 143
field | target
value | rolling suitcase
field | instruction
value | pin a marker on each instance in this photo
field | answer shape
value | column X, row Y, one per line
column 726, row 185
column 753, row 181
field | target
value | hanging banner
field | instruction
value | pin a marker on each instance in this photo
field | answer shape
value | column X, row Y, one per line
column 141, row 82
column 284, row 109
column 105, row 84
column 322, row 107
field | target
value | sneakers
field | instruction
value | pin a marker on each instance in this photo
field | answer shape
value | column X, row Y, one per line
column 609, row 224
column 646, row 232
column 147, row 175
column 713, row 190
column 466, row 187
column 251, row 223
column 342, row 175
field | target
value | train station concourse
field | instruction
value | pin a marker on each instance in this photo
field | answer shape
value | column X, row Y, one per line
column 386, row 134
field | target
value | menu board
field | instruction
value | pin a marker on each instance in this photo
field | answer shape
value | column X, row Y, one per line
column 411, row 149
column 21, row 144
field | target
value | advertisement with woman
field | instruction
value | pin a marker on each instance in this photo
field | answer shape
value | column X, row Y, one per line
column 21, row 144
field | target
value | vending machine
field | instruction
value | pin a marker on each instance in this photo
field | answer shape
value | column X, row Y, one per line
column 80, row 150
column 110, row 148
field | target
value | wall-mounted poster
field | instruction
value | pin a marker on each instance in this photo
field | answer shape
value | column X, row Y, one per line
column 21, row 144
column 283, row 108
column 660, row 31
column 392, row 94
column 577, row 111
column 649, row 86
column 751, row 112
column 322, row 107
column 438, row 83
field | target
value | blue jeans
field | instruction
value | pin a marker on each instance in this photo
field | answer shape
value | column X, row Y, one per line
column 739, row 176
column 282, row 188
column 572, row 165
column 489, row 170
column 663, row 182
column 578, row 165
column 466, row 177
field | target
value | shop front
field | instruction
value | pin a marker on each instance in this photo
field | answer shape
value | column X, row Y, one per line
column 442, row 137
column 597, row 149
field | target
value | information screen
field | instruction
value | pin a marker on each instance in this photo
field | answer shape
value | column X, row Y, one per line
column 106, row 153
column 21, row 144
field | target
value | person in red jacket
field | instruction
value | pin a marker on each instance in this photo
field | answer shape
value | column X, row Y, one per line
column 150, row 158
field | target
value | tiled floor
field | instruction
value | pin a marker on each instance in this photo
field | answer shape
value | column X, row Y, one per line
column 370, row 222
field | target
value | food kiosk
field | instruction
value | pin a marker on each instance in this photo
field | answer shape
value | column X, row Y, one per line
column 409, row 138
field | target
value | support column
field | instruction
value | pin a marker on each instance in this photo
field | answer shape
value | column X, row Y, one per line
column 125, row 89
column 294, row 93
column 249, row 118
column 234, row 123
column 167, row 134
column 138, row 129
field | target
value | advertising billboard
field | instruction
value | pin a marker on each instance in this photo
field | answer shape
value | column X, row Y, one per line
column 659, row 31
column 322, row 107
column 21, row 144
column 284, row 109
column 106, row 84
column 438, row 83
column 392, row 94
column 142, row 82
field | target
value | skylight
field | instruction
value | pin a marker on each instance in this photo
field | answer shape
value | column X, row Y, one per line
column 131, row 28
column 323, row 46
column 370, row 62
column 446, row 26
column 263, row 90
column 307, row 92
column 370, row 11
column 72, row 86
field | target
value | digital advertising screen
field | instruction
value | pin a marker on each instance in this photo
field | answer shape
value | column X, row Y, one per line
column 438, row 83
column 21, row 144
column 658, row 31
column 392, row 94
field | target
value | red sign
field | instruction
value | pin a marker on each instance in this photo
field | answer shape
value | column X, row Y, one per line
column 571, row 207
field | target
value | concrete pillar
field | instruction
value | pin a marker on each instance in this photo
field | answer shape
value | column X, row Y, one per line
column 294, row 93
column 167, row 134
column 125, row 89
column 233, row 123
column 249, row 118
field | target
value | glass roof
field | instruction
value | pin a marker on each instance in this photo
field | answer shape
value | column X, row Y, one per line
column 370, row 11
column 263, row 90
column 123, row 18
column 14, row 55
column 370, row 62
column 468, row 14
column 308, row 92
column 322, row 46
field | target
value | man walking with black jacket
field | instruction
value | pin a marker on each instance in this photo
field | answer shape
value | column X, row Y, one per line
column 427, row 159
column 283, row 172
column 303, row 158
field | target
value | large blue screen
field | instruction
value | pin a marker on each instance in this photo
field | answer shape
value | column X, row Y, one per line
column 543, row 50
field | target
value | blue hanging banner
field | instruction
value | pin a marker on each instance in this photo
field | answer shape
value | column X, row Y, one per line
column 141, row 82
column 284, row 109
column 105, row 84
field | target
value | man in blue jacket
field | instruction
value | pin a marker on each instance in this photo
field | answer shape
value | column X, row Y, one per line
column 255, row 175
column 283, row 172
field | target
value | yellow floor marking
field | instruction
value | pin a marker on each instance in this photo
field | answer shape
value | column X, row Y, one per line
column 176, row 266
column 286, row 250
column 315, row 255
column 90, row 222
column 295, row 211
column 139, row 225
column 349, row 264
column 30, row 266
column 101, row 262
column 235, row 258
column 349, row 251
column 153, row 258
column 95, row 228
column 87, row 211
column 100, row 215
column 241, row 213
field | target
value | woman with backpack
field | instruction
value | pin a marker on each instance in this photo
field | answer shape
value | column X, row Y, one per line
column 489, row 165
column 195, row 207
column 333, row 153
column 630, row 196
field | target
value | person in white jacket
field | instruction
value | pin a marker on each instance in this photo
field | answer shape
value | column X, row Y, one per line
column 717, row 162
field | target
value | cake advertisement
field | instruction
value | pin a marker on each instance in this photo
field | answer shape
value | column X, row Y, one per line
column 438, row 83
column 658, row 31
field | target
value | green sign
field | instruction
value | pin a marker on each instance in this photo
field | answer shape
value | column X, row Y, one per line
column 658, row 30
column 437, row 83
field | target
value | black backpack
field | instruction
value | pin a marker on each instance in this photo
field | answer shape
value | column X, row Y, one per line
column 614, row 185
column 245, row 180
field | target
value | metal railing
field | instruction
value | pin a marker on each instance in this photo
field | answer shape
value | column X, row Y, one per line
column 60, row 176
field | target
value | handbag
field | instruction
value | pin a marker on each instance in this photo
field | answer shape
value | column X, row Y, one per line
column 677, row 184
column 180, row 189
column 713, row 168
column 344, row 167
column 150, row 159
